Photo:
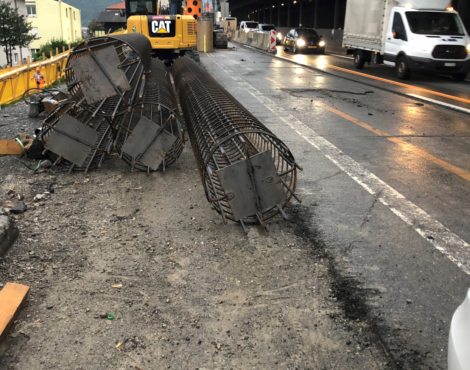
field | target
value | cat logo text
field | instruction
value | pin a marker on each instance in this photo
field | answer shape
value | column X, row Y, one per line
column 161, row 26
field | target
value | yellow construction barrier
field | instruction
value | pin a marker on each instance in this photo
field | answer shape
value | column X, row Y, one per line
column 15, row 81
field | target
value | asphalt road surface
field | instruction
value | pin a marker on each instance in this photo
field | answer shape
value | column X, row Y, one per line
column 440, row 89
column 385, row 186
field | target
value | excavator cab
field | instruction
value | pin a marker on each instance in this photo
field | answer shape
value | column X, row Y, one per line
column 171, row 33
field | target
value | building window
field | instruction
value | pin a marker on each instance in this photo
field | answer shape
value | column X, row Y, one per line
column 15, row 57
column 74, row 15
column 31, row 9
column 67, row 13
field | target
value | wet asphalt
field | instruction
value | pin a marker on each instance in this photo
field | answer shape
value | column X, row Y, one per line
column 423, row 84
column 387, row 273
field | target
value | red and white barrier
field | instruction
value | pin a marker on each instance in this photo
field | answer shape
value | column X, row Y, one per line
column 272, row 40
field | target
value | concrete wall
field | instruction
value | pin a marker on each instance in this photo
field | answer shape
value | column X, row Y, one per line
column 55, row 19
column 21, row 53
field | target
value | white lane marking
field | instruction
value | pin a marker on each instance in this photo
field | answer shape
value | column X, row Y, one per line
column 448, row 243
column 452, row 106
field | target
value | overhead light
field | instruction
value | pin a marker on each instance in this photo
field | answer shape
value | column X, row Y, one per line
column 408, row 5
column 295, row 1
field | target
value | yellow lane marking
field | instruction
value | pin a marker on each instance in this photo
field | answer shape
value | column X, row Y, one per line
column 405, row 145
column 275, row 82
column 432, row 92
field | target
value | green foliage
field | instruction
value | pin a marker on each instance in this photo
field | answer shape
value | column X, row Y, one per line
column 14, row 30
column 51, row 45
column 93, row 26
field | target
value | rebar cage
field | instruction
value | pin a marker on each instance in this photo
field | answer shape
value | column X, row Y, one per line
column 60, row 142
column 230, row 146
column 158, row 104
column 106, row 74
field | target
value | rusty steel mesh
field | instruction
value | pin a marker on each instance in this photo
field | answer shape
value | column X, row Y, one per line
column 158, row 104
column 223, row 133
column 134, row 53
column 100, row 150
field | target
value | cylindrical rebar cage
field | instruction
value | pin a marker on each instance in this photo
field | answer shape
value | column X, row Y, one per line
column 106, row 74
column 62, row 137
column 248, row 173
column 158, row 105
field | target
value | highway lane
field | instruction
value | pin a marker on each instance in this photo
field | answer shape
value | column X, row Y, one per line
column 386, row 194
column 436, row 87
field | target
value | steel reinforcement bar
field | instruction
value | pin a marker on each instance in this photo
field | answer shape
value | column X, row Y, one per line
column 75, row 140
column 106, row 74
column 150, row 136
column 249, row 175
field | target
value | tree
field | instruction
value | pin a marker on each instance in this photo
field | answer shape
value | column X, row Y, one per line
column 93, row 26
column 14, row 30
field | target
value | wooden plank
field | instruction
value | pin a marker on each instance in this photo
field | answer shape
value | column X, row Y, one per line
column 12, row 298
column 9, row 147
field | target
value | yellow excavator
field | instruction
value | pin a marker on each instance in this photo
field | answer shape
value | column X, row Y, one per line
column 170, row 25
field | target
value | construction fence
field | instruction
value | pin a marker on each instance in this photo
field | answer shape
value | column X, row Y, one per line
column 14, row 82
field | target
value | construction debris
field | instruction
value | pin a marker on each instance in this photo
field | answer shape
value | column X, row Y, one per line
column 11, row 147
column 249, row 175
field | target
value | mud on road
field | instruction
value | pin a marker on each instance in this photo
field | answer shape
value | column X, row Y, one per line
column 186, row 291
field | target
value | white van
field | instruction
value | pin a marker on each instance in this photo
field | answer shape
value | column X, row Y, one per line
column 248, row 26
column 409, row 35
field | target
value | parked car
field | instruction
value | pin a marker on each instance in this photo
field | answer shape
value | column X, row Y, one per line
column 248, row 26
column 459, row 338
column 266, row 28
column 304, row 40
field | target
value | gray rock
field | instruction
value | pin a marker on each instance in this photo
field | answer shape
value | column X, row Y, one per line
column 39, row 197
column 8, row 233
column 21, row 207
column 46, row 164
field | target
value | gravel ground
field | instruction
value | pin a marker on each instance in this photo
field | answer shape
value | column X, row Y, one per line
column 186, row 292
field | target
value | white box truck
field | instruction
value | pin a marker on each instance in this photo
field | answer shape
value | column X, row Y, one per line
column 409, row 35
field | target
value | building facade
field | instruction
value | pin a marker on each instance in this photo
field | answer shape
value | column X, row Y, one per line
column 52, row 19
column 112, row 19
column 19, row 54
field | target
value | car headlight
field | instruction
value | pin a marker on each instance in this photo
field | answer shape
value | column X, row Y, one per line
column 279, row 36
column 468, row 48
column 321, row 43
column 247, row 31
column 301, row 42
